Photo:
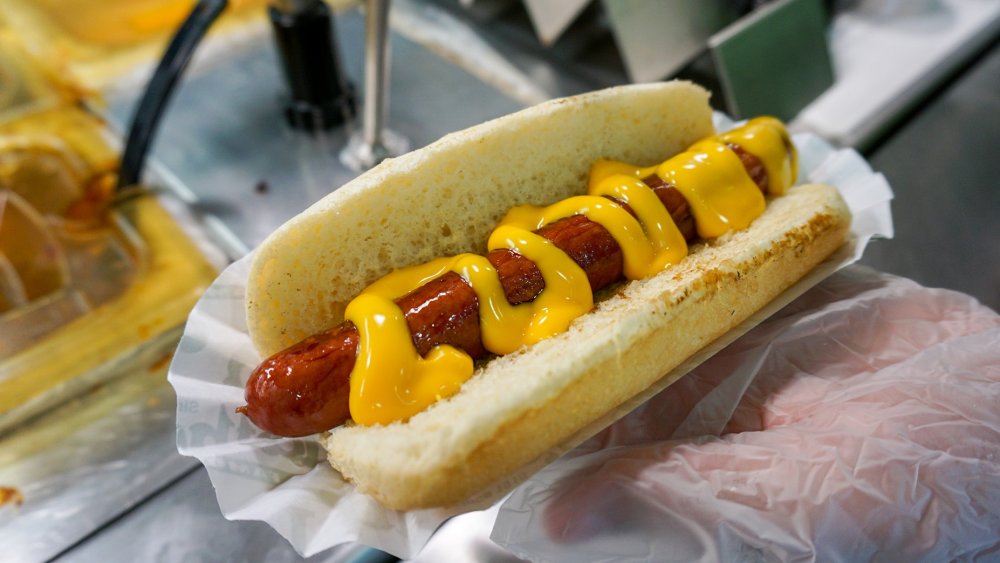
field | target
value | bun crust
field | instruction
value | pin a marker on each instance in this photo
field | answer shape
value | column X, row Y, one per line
column 445, row 199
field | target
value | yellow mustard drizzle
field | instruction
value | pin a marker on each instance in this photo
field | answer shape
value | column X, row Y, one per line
column 406, row 383
column 392, row 382
column 767, row 139
column 720, row 193
column 602, row 169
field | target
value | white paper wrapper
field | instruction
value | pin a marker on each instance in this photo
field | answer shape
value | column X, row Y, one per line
column 286, row 482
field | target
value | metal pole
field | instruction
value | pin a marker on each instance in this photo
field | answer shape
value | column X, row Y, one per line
column 374, row 143
column 376, row 70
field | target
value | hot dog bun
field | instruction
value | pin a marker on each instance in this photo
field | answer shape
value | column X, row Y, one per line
column 445, row 199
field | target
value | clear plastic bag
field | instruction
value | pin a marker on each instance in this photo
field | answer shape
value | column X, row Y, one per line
column 860, row 423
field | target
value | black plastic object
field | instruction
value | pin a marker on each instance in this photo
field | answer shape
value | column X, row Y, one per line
column 320, row 96
column 147, row 114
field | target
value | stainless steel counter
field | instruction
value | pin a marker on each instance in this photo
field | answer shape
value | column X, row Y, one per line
column 224, row 135
column 225, row 139
column 943, row 165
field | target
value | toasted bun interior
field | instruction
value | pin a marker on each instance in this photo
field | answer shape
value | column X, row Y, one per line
column 446, row 198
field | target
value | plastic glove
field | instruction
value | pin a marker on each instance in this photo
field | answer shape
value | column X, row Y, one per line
column 860, row 423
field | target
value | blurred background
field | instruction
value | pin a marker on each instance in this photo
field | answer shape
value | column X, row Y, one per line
column 146, row 144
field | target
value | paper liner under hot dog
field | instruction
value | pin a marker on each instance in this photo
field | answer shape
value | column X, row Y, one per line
column 287, row 483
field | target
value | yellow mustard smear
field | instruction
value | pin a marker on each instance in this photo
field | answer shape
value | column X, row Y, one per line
column 392, row 382
column 767, row 139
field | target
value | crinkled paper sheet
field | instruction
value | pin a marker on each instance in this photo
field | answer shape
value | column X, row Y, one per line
column 860, row 423
column 286, row 482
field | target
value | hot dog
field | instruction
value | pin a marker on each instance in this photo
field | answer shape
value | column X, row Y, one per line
column 410, row 451
column 305, row 389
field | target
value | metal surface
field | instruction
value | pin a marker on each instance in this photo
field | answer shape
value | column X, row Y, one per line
column 376, row 70
column 585, row 57
column 224, row 136
column 183, row 523
column 454, row 39
column 86, row 463
column 375, row 142
column 943, row 166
